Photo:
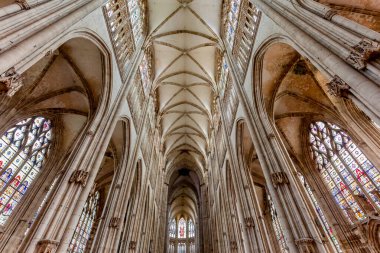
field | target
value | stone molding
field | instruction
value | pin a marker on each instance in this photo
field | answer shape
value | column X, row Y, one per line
column 330, row 14
column 279, row 178
column 304, row 241
column 79, row 177
column 47, row 246
column 23, row 4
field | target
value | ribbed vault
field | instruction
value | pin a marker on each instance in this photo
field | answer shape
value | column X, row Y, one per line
column 184, row 37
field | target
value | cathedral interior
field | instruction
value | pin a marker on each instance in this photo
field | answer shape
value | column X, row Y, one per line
column 190, row 126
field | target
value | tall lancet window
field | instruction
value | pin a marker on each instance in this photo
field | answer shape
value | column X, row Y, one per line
column 191, row 228
column 182, row 228
column 83, row 230
column 172, row 228
column 351, row 178
column 23, row 149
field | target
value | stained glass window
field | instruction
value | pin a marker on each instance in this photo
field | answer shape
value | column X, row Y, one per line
column 83, row 230
column 346, row 171
column 23, row 149
column 232, row 20
column 182, row 228
column 328, row 229
column 277, row 227
column 191, row 228
column 181, row 247
column 172, row 228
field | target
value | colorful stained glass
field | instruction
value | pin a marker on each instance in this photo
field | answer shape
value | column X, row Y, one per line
column 83, row 230
column 345, row 169
column 328, row 229
column 277, row 227
column 23, row 149
column 181, row 247
column 182, row 228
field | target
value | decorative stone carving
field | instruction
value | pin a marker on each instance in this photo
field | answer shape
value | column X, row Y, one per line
column 356, row 60
column 279, row 178
column 362, row 200
column 79, row 177
column 132, row 245
column 47, row 246
column 114, row 222
column 249, row 222
column 337, row 87
column 305, row 243
column 367, row 48
column 10, row 82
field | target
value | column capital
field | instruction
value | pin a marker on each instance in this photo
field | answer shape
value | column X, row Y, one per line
column 279, row 178
column 337, row 87
column 79, row 177
column 23, row 4
column 47, row 246
column 330, row 14
column 10, row 82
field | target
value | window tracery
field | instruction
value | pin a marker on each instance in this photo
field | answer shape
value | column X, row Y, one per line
column 83, row 230
column 191, row 229
column 350, row 177
column 23, row 150
column 172, row 228
column 182, row 228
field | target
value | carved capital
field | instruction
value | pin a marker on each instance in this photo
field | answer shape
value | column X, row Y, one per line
column 10, row 82
column 47, row 246
column 366, row 48
column 79, row 177
column 356, row 60
column 114, row 222
column 279, row 178
column 249, row 222
column 330, row 14
column 132, row 245
column 337, row 87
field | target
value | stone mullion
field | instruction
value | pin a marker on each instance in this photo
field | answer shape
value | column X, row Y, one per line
column 246, row 203
column 287, row 205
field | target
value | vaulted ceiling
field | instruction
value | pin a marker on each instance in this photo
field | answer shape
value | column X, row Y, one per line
column 184, row 34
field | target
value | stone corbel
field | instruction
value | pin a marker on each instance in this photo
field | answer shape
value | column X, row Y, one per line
column 362, row 52
column 47, row 246
column 306, row 244
column 279, row 178
column 337, row 87
column 10, row 82
column 79, row 177
column 114, row 222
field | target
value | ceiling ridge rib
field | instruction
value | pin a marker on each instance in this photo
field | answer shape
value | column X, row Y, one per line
column 203, row 22
column 166, row 19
